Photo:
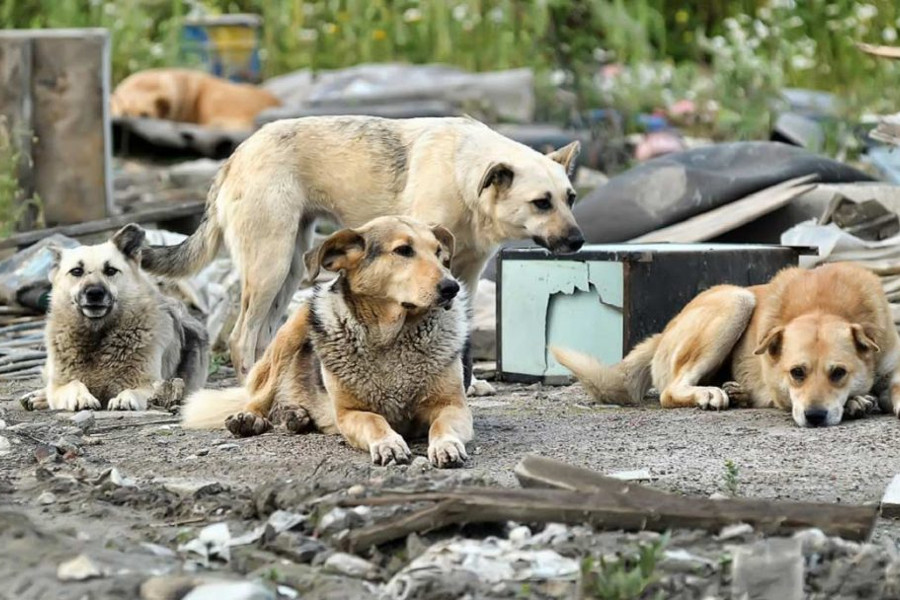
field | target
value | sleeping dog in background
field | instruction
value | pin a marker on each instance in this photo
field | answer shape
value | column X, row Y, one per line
column 483, row 187
column 112, row 338
column 821, row 344
column 374, row 355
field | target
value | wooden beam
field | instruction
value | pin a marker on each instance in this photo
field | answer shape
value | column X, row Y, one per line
column 609, row 504
column 153, row 215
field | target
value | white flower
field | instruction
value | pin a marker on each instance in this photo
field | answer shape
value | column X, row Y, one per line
column 761, row 30
column 412, row 15
column 889, row 34
column 496, row 15
column 794, row 22
column 801, row 63
column 866, row 12
column 156, row 50
column 460, row 11
column 307, row 35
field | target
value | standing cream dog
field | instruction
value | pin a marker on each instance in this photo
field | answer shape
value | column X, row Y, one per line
column 374, row 355
column 816, row 343
column 456, row 172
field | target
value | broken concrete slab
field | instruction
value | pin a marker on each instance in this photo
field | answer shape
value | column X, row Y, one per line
column 769, row 569
column 890, row 502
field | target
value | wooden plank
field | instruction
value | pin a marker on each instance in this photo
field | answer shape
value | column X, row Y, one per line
column 890, row 502
column 539, row 472
column 153, row 215
column 16, row 110
column 636, row 509
column 723, row 219
column 877, row 50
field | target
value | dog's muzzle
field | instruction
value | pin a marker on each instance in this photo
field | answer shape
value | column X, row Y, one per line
column 567, row 244
column 95, row 301
column 447, row 290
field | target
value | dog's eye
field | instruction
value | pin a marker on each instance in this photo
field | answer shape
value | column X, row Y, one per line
column 110, row 271
column 570, row 199
column 542, row 204
column 405, row 250
column 837, row 374
column 76, row 272
column 798, row 374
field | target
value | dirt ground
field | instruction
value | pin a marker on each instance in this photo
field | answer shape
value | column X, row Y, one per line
column 60, row 503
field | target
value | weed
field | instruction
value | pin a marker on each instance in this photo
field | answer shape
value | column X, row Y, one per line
column 626, row 577
column 731, row 478
column 216, row 361
column 14, row 205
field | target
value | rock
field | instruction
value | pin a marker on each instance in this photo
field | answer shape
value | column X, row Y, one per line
column 157, row 550
column 45, row 454
column 356, row 490
column 733, row 531
column 84, row 420
column 5, row 446
column 202, row 452
column 519, row 534
column 228, row 446
column 46, row 498
column 168, row 588
column 282, row 520
column 341, row 563
column 2, row 424
column 79, row 568
column 296, row 547
column 68, row 444
column 772, row 568
column 237, row 590
column 636, row 475
column 718, row 496
column 680, row 560
column 812, row 541
column 339, row 519
column 420, row 464
column 211, row 543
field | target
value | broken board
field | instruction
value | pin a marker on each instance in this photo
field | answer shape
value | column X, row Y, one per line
column 605, row 299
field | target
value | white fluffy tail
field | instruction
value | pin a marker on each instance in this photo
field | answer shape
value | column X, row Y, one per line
column 208, row 409
column 624, row 383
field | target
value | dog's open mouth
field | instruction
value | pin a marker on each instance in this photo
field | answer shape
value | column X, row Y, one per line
column 445, row 303
column 95, row 311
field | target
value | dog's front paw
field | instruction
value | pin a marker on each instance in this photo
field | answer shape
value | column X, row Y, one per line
column 128, row 400
column 860, row 406
column 36, row 400
column 247, row 424
column 737, row 395
column 711, row 398
column 447, row 453
column 390, row 450
column 297, row 421
column 74, row 396
column 480, row 387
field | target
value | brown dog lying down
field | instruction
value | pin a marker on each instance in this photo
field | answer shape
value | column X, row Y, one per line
column 374, row 355
column 189, row 96
column 817, row 343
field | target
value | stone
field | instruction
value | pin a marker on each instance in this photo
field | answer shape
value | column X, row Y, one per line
column 772, row 568
column 84, row 420
column 168, row 587
column 296, row 547
column 228, row 446
column 69, row 444
column 5, row 446
column 46, row 498
column 341, row 563
column 79, row 568
column 734, row 531
column 45, row 454
column 228, row 590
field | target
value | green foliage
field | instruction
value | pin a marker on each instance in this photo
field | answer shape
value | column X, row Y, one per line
column 13, row 202
column 730, row 478
column 627, row 577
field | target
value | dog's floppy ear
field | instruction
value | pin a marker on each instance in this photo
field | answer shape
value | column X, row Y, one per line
column 498, row 174
column 129, row 240
column 567, row 156
column 862, row 337
column 445, row 237
column 55, row 257
column 771, row 342
column 163, row 107
column 341, row 250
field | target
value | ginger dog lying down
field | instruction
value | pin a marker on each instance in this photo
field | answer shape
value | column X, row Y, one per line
column 817, row 343
column 374, row 355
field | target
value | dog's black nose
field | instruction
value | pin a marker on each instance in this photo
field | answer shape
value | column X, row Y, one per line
column 815, row 417
column 574, row 240
column 94, row 294
column 448, row 289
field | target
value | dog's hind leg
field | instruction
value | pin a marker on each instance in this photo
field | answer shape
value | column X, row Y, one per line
column 265, row 265
column 697, row 343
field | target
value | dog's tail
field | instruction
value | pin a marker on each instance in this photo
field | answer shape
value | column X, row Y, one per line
column 624, row 383
column 208, row 409
column 197, row 250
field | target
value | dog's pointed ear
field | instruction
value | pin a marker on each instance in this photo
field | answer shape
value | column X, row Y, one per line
column 567, row 156
column 500, row 175
column 55, row 257
column 862, row 338
column 445, row 237
column 163, row 107
column 340, row 251
column 129, row 241
column 771, row 342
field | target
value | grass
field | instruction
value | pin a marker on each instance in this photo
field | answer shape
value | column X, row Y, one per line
column 13, row 203
column 627, row 577
column 731, row 478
